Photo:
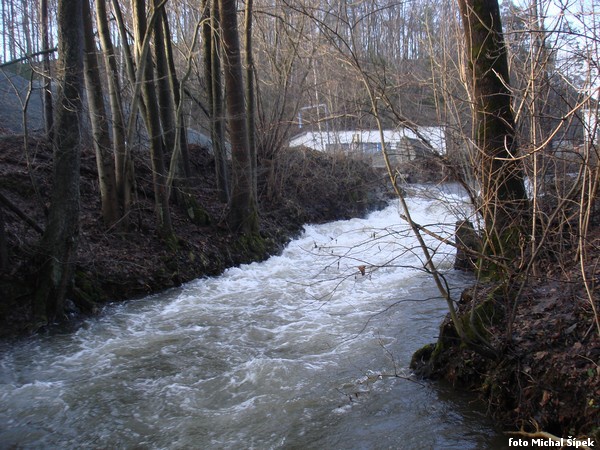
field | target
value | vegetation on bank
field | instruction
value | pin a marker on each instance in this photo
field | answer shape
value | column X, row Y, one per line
column 527, row 335
column 115, row 264
column 546, row 375
column 520, row 113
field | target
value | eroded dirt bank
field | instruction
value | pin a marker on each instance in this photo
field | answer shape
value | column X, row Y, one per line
column 297, row 187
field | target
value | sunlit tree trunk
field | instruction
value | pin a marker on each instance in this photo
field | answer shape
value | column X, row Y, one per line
column 243, row 214
column 59, row 242
column 100, row 129
column 123, row 163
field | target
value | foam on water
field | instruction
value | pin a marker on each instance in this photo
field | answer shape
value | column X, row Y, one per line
column 267, row 355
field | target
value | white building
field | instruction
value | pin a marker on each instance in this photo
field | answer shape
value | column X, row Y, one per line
column 402, row 144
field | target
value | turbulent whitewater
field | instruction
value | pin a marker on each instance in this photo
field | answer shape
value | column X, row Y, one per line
column 308, row 349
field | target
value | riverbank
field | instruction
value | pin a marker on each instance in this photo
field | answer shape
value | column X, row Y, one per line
column 299, row 187
column 546, row 375
column 298, row 351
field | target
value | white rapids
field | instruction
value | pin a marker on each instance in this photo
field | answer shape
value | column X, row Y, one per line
column 299, row 351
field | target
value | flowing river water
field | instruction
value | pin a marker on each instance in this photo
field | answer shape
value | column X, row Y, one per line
column 301, row 351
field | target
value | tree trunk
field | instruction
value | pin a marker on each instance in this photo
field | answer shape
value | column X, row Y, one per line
column 3, row 243
column 165, row 95
column 59, row 242
column 504, row 199
column 152, row 121
column 250, row 99
column 243, row 214
column 99, row 122
column 48, row 114
column 214, row 93
column 123, row 164
column 177, row 97
column 179, row 169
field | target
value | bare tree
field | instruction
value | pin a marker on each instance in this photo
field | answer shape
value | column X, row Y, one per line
column 243, row 214
column 214, row 93
column 152, row 118
column 500, row 176
column 48, row 114
column 123, row 164
column 99, row 121
column 59, row 242
column 250, row 91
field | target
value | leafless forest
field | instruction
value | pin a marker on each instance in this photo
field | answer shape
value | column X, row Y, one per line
column 514, row 87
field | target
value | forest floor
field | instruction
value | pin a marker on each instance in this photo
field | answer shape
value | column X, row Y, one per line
column 546, row 377
column 299, row 187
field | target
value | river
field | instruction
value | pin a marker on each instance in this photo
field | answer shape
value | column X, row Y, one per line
column 301, row 351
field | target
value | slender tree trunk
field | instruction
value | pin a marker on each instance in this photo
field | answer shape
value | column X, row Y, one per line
column 59, row 242
column 125, row 49
column 127, row 57
column 165, row 95
column 250, row 95
column 100, row 131
column 214, row 88
column 5, row 25
column 177, row 97
column 243, row 214
column 48, row 114
column 152, row 121
column 26, row 27
column 179, row 170
column 13, row 27
column 123, row 164
column 504, row 199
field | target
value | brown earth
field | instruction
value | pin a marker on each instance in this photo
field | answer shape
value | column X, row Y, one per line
column 547, row 373
column 297, row 188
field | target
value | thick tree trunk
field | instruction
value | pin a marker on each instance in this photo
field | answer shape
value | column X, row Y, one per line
column 243, row 214
column 100, row 131
column 59, row 242
column 504, row 198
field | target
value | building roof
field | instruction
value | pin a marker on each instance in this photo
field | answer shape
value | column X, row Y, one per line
column 320, row 141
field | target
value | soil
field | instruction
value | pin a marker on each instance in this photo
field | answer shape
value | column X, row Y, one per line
column 546, row 374
column 117, row 264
